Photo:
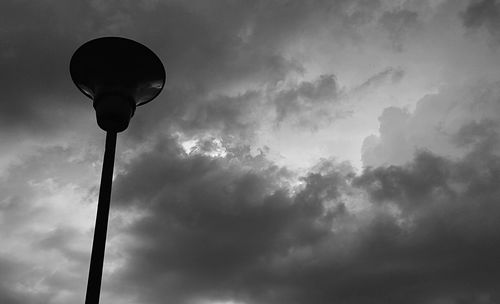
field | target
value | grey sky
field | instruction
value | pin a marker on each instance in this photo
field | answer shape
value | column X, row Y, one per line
column 301, row 152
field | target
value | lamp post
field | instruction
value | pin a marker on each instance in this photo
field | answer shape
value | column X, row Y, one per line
column 118, row 74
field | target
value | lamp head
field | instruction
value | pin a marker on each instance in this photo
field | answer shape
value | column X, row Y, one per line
column 118, row 74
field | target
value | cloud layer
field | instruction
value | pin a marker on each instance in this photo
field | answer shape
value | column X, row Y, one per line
column 301, row 152
column 424, row 232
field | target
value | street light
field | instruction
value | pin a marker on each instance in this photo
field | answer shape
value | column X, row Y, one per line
column 118, row 74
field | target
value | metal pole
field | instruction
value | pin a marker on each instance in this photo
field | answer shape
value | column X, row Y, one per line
column 101, row 223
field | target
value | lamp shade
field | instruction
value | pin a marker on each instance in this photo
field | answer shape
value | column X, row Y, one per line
column 118, row 74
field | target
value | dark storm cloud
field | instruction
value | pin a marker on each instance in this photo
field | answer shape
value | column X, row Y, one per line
column 216, row 230
column 34, row 53
column 484, row 14
column 206, row 49
column 450, row 208
column 198, row 198
column 411, row 185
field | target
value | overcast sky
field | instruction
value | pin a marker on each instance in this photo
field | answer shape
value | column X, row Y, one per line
column 315, row 151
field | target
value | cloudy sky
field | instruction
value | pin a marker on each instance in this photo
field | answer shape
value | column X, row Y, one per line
column 315, row 151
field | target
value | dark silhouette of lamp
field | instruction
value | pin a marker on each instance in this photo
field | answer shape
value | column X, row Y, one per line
column 118, row 74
